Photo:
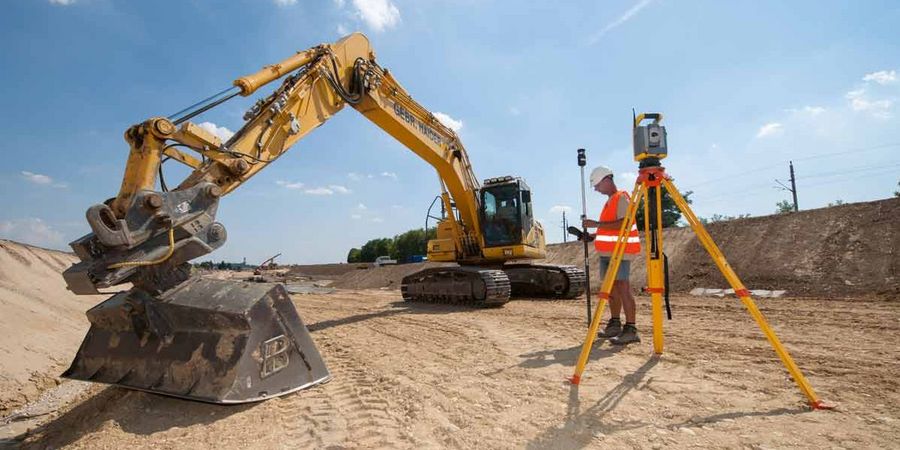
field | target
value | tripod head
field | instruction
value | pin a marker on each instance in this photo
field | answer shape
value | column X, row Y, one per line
column 649, row 140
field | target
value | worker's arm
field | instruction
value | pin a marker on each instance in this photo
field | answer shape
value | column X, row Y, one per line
column 622, row 210
column 612, row 225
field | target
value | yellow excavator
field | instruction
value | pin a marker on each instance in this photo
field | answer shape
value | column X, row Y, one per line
column 229, row 341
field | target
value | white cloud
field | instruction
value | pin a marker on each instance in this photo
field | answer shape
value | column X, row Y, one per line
column 860, row 103
column 223, row 133
column 619, row 21
column 390, row 175
column 396, row 206
column 361, row 207
column 42, row 179
column 36, row 178
column 356, row 216
column 448, row 121
column 377, row 219
column 342, row 30
column 626, row 179
column 882, row 77
column 808, row 110
column 769, row 129
column 319, row 191
column 285, row 2
column 32, row 231
column 353, row 176
column 559, row 209
column 379, row 15
column 514, row 111
column 290, row 185
column 330, row 190
column 62, row 2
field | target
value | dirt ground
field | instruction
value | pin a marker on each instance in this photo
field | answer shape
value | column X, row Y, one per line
column 426, row 376
column 42, row 323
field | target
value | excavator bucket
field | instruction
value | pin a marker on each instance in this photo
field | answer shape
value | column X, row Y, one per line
column 208, row 340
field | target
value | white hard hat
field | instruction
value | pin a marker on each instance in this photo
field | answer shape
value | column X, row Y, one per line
column 599, row 173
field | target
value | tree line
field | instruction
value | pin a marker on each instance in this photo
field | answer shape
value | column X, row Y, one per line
column 401, row 247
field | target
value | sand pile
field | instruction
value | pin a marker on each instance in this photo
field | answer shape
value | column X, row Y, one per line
column 381, row 277
column 848, row 250
column 325, row 271
column 42, row 322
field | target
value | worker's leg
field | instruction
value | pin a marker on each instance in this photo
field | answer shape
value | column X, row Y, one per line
column 622, row 290
column 614, row 326
column 615, row 301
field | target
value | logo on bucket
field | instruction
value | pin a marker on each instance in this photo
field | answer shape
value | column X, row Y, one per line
column 275, row 355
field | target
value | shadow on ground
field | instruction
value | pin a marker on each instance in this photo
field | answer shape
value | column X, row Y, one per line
column 134, row 411
column 566, row 356
column 396, row 308
column 579, row 427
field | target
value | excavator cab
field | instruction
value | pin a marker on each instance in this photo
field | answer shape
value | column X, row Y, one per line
column 506, row 212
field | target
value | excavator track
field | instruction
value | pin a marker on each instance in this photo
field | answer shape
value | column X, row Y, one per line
column 465, row 285
column 545, row 280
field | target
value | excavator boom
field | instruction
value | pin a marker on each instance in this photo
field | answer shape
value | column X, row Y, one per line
column 216, row 341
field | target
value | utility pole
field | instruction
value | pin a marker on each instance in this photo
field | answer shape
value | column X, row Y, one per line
column 794, row 187
column 565, row 228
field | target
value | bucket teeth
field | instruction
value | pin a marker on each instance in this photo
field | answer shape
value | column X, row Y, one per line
column 209, row 340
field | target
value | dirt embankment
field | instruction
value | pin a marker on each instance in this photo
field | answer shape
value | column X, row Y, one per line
column 381, row 277
column 847, row 250
column 324, row 271
column 42, row 322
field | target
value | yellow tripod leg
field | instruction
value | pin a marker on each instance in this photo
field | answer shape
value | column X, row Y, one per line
column 656, row 288
column 744, row 295
column 654, row 269
column 606, row 287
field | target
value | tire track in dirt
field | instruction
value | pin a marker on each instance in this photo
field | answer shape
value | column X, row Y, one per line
column 352, row 410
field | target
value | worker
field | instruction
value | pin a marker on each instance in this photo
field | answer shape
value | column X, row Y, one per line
column 611, row 218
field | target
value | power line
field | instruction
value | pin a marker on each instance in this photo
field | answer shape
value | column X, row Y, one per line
column 849, row 170
column 803, row 158
column 843, row 177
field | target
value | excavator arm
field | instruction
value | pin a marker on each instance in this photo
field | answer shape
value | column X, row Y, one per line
column 142, row 228
column 228, row 342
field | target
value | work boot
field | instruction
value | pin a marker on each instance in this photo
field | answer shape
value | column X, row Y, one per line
column 629, row 334
column 613, row 329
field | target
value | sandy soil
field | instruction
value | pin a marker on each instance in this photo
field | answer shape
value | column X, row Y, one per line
column 437, row 376
column 42, row 323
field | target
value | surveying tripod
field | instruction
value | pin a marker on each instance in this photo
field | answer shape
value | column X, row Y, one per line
column 649, row 148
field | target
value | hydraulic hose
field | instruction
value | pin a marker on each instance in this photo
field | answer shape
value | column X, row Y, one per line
column 149, row 263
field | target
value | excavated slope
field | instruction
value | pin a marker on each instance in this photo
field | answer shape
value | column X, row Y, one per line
column 42, row 322
column 847, row 250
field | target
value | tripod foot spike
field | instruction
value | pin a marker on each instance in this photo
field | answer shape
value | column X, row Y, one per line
column 820, row 405
column 574, row 379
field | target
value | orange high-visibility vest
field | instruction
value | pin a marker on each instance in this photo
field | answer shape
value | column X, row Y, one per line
column 605, row 241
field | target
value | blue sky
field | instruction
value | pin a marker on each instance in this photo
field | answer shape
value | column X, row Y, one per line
column 745, row 87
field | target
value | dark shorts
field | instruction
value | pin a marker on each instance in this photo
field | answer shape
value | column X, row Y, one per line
column 621, row 275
